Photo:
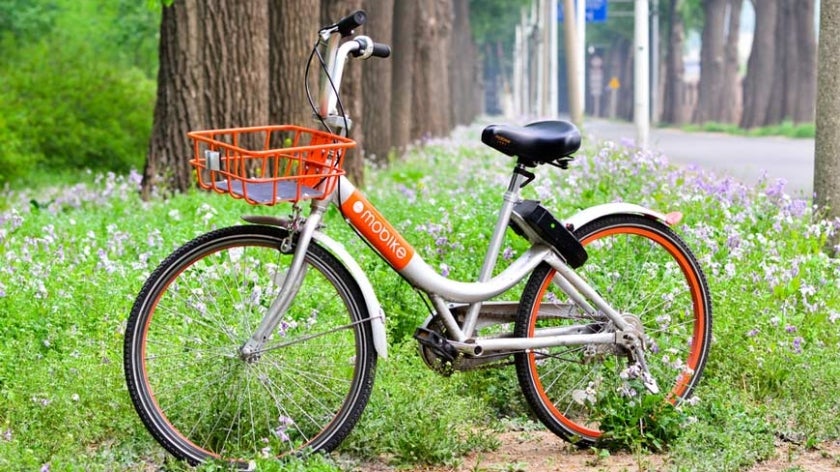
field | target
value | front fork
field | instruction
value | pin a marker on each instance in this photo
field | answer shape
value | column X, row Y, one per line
column 289, row 286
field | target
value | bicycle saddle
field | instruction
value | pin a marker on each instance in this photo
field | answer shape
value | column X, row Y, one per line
column 535, row 143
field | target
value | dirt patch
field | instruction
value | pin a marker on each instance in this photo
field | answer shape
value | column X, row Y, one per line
column 541, row 451
column 825, row 457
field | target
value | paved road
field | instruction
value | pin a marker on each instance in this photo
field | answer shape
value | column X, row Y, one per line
column 745, row 158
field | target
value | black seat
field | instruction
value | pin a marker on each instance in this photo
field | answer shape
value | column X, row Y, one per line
column 535, row 143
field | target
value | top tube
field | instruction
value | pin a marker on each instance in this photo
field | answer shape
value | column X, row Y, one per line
column 392, row 247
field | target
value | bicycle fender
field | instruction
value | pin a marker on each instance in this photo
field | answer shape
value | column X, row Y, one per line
column 377, row 320
column 607, row 209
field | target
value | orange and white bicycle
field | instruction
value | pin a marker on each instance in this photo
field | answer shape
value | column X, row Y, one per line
column 262, row 339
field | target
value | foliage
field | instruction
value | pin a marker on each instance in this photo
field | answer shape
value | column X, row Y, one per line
column 77, row 88
column 495, row 20
column 75, row 255
column 635, row 420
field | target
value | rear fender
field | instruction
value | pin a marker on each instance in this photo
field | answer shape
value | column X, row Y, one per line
column 599, row 211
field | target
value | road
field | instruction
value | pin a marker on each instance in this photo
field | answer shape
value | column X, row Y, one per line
column 745, row 158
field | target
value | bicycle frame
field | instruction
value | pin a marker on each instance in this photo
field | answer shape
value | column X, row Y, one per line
column 444, row 293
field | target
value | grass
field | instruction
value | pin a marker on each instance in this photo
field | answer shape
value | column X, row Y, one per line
column 787, row 129
column 74, row 256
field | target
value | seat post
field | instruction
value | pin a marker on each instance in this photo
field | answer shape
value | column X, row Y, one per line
column 511, row 198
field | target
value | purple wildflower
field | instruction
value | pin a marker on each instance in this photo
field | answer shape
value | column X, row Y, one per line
column 797, row 344
column 508, row 253
column 790, row 328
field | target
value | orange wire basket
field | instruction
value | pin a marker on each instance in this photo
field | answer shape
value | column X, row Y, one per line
column 265, row 165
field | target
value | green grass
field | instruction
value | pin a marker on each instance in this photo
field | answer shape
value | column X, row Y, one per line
column 786, row 129
column 73, row 257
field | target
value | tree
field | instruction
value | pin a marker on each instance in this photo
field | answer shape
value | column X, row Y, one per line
column 175, row 112
column 292, row 33
column 718, row 93
column 376, row 84
column 402, row 79
column 781, row 72
column 430, row 103
column 463, row 73
column 827, row 144
column 213, row 74
column 673, row 106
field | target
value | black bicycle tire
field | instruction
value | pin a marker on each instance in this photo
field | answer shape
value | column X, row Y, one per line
column 266, row 236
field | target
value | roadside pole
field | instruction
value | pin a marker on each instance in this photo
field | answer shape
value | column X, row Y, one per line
column 572, row 52
column 641, row 75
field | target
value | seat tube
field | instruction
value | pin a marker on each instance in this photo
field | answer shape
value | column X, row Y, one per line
column 511, row 197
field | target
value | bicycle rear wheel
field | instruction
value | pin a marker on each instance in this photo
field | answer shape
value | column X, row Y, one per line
column 645, row 271
column 194, row 392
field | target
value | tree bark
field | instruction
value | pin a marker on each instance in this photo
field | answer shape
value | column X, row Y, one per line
column 376, row 85
column 293, row 32
column 673, row 103
column 758, row 83
column 462, row 60
column 430, row 104
column 235, row 65
column 178, row 108
column 402, row 80
column 827, row 143
column 781, row 72
column 804, row 72
column 717, row 94
column 213, row 74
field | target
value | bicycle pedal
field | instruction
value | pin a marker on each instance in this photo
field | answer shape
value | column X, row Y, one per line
column 436, row 343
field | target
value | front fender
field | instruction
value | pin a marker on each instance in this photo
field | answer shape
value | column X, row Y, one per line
column 377, row 315
column 599, row 211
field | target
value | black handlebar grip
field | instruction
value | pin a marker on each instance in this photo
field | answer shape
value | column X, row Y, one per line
column 347, row 24
column 381, row 50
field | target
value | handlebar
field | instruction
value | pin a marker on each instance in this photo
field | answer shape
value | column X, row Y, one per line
column 350, row 22
column 336, row 55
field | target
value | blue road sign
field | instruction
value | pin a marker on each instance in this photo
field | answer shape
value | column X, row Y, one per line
column 596, row 11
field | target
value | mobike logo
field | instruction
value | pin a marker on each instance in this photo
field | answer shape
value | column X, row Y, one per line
column 376, row 229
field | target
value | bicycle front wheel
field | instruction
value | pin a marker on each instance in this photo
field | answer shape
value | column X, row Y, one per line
column 644, row 271
column 194, row 391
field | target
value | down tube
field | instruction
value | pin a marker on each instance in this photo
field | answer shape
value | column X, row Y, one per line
column 373, row 226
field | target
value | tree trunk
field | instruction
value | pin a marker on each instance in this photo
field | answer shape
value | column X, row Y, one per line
column 235, row 65
column 827, row 158
column 351, row 90
column 719, row 62
column 177, row 108
column 402, row 80
column 376, row 85
column 781, row 74
column 293, row 32
column 213, row 74
column 761, row 66
column 430, row 104
column 673, row 104
column 730, row 96
column 803, row 73
column 462, row 59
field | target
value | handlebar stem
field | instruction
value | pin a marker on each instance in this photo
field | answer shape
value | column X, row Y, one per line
column 336, row 58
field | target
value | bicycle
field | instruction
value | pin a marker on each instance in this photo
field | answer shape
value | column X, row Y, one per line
column 262, row 339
